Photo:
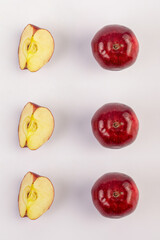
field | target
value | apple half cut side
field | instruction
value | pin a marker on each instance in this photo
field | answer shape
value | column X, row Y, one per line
column 35, row 48
column 36, row 195
column 36, row 126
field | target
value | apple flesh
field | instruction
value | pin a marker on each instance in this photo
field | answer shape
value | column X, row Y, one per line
column 115, row 195
column 36, row 195
column 35, row 48
column 115, row 47
column 115, row 125
column 36, row 126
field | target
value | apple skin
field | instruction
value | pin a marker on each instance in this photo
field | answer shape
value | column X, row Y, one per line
column 115, row 47
column 115, row 195
column 35, row 28
column 115, row 125
column 35, row 106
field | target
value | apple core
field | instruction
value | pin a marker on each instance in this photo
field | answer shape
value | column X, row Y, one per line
column 31, row 48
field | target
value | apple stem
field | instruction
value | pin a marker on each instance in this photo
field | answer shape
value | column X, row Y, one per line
column 116, row 194
column 116, row 46
column 116, row 124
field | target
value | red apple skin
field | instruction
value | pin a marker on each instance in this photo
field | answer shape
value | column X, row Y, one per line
column 115, row 125
column 115, row 47
column 35, row 28
column 115, row 195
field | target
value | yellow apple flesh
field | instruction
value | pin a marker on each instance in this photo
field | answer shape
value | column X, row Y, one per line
column 35, row 48
column 36, row 126
column 36, row 195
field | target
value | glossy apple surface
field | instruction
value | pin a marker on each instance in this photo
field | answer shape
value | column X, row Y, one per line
column 115, row 195
column 115, row 125
column 115, row 47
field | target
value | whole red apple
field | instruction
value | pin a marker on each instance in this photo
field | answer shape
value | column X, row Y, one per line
column 115, row 125
column 115, row 195
column 115, row 47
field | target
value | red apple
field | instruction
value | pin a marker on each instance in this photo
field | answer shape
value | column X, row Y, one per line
column 115, row 195
column 115, row 125
column 115, row 47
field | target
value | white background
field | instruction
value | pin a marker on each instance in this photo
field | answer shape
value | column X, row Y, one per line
column 73, row 86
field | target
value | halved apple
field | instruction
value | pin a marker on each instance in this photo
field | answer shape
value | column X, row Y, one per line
column 35, row 48
column 36, row 195
column 36, row 126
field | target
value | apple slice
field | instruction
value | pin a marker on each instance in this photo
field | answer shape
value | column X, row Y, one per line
column 35, row 48
column 36, row 195
column 36, row 126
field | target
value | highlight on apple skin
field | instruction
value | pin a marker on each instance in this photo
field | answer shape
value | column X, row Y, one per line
column 115, row 125
column 115, row 195
column 36, row 195
column 36, row 48
column 36, row 126
column 115, row 47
